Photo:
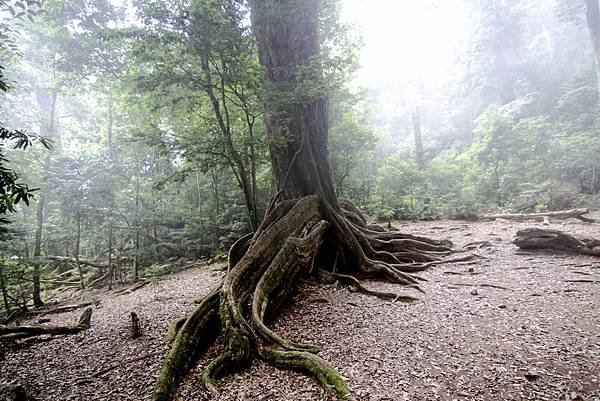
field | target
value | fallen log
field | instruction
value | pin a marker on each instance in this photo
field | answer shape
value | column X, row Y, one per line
column 545, row 239
column 96, row 281
column 58, row 309
column 135, row 287
column 73, row 260
column 15, row 332
column 560, row 214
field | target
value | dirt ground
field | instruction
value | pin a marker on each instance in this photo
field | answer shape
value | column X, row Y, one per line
column 509, row 325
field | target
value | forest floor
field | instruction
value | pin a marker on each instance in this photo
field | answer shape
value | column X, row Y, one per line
column 507, row 326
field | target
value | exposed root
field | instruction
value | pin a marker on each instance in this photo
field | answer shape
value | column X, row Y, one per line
column 294, row 256
column 418, row 267
column 355, row 284
column 263, row 272
column 312, row 364
column 174, row 328
column 215, row 369
column 238, row 250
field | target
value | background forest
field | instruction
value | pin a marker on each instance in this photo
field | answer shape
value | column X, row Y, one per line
column 159, row 153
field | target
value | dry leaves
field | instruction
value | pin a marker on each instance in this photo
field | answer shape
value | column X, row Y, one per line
column 454, row 344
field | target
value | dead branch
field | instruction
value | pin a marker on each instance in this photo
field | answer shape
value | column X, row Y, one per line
column 133, row 288
column 498, row 287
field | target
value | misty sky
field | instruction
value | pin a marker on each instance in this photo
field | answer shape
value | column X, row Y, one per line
column 407, row 39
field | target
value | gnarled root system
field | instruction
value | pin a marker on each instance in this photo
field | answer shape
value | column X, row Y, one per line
column 308, row 236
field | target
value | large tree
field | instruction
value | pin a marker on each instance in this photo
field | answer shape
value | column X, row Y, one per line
column 307, row 230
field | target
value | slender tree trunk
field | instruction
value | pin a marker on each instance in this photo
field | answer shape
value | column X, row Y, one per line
column 198, row 192
column 253, row 163
column 593, row 23
column 416, row 122
column 37, row 250
column 110, row 261
column 221, row 113
column 215, row 191
column 155, row 238
column 136, row 266
column 77, row 245
column 4, row 291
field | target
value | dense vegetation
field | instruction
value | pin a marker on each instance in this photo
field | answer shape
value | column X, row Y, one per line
column 159, row 149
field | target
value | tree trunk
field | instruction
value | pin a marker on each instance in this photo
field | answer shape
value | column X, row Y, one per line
column 416, row 122
column 37, row 248
column 215, row 190
column 136, row 266
column 110, row 261
column 4, row 290
column 221, row 112
column 297, row 128
column 77, row 244
column 37, row 251
column 593, row 23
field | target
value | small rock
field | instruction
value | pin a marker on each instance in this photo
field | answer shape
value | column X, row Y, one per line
column 471, row 270
column 531, row 375
column 474, row 292
column 502, row 306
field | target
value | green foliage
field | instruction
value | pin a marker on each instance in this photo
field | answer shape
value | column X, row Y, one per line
column 158, row 122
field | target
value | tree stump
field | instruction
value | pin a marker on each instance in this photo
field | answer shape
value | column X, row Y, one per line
column 134, row 328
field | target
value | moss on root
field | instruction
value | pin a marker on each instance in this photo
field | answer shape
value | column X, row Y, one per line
column 314, row 365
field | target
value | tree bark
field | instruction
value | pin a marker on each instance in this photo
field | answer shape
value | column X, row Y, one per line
column 296, row 123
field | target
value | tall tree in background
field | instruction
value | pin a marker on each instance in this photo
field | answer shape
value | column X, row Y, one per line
column 416, row 123
column 592, row 15
column 307, row 229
